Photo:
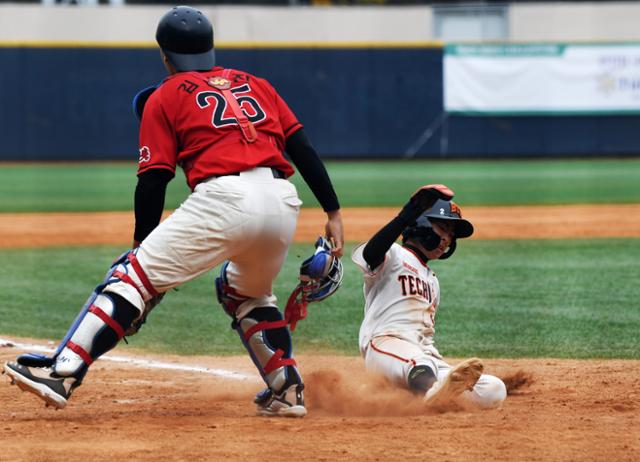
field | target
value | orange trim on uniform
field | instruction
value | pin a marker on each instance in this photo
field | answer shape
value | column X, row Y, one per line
column 455, row 208
column 400, row 358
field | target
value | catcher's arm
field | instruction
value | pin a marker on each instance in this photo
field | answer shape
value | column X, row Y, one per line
column 423, row 199
column 334, row 232
column 149, row 201
column 306, row 159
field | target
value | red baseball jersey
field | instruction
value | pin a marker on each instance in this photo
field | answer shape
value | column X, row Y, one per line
column 188, row 122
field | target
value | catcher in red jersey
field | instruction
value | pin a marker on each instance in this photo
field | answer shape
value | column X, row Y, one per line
column 228, row 130
column 402, row 295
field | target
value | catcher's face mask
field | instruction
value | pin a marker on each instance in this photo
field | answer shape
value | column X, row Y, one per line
column 321, row 274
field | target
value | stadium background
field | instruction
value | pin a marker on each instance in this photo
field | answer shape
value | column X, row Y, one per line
column 366, row 81
column 368, row 84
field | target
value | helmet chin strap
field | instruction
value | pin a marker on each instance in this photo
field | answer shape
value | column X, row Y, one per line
column 431, row 241
column 450, row 250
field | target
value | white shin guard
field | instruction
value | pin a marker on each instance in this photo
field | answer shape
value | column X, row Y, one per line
column 102, row 327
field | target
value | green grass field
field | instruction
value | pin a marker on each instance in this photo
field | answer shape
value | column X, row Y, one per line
column 499, row 299
column 547, row 298
column 109, row 186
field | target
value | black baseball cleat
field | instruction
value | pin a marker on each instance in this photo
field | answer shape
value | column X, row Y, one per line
column 289, row 403
column 263, row 396
column 42, row 382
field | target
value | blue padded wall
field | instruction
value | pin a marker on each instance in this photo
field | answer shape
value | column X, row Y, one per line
column 75, row 103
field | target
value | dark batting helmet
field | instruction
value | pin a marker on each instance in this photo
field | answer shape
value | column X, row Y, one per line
column 422, row 229
column 185, row 36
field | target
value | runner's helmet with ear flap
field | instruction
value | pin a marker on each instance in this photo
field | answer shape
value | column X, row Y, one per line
column 321, row 274
column 422, row 229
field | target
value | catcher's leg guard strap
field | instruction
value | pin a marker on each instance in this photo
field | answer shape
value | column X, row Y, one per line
column 130, row 274
column 228, row 297
column 265, row 335
column 120, row 279
column 102, row 327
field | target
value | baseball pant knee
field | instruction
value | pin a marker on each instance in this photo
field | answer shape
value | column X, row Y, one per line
column 128, row 279
column 395, row 358
column 236, row 304
column 266, row 337
column 420, row 379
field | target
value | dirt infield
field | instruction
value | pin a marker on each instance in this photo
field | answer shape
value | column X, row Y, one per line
column 56, row 229
column 571, row 410
column 564, row 410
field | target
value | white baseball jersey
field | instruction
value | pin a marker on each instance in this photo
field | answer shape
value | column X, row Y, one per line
column 401, row 298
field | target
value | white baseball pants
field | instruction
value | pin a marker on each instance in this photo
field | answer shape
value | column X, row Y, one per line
column 394, row 357
column 249, row 219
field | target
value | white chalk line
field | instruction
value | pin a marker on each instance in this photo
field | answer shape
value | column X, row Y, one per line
column 148, row 363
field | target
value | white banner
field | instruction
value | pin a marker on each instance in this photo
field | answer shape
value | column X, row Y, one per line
column 530, row 79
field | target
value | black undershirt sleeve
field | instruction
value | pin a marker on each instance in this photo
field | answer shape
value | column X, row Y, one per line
column 313, row 171
column 149, row 201
column 375, row 250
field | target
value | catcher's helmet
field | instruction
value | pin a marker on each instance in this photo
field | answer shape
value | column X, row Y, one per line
column 321, row 274
column 185, row 36
column 422, row 229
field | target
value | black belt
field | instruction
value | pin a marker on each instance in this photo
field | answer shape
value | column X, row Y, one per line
column 278, row 174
